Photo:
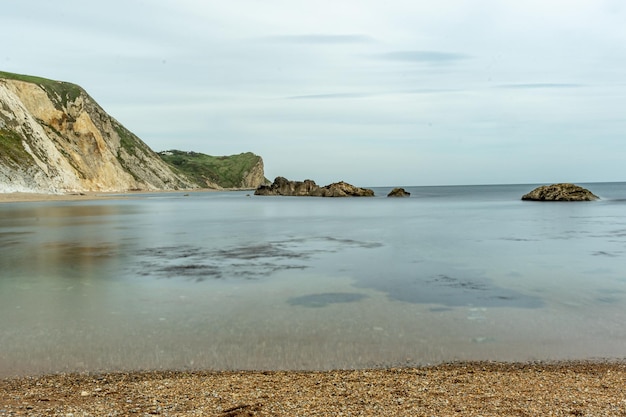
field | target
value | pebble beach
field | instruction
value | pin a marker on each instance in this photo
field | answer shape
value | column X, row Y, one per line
column 468, row 389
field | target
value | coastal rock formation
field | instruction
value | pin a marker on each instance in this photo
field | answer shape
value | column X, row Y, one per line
column 55, row 138
column 244, row 171
column 282, row 186
column 560, row 192
column 343, row 189
column 398, row 192
column 254, row 176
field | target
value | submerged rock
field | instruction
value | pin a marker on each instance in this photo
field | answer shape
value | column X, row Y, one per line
column 325, row 299
column 560, row 192
column 282, row 186
column 398, row 192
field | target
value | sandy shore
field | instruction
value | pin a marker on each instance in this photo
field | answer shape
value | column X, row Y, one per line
column 26, row 197
column 486, row 389
column 89, row 195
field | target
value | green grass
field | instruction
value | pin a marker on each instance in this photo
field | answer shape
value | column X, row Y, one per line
column 59, row 92
column 226, row 171
column 131, row 144
column 127, row 141
column 13, row 152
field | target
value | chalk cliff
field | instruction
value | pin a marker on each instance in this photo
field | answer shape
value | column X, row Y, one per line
column 55, row 138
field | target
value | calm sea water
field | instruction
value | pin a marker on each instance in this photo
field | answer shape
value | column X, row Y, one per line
column 227, row 280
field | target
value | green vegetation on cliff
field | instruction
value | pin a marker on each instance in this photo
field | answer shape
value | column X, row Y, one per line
column 59, row 92
column 12, row 151
column 41, row 149
column 224, row 171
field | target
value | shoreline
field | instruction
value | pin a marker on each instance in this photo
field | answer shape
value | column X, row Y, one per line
column 464, row 388
column 19, row 197
column 38, row 197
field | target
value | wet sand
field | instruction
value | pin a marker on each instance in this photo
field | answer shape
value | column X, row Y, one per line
column 26, row 197
column 88, row 195
column 486, row 389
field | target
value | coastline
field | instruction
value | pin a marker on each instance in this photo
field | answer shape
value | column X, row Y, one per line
column 37, row 197
column 473, row 388
column 19, row 197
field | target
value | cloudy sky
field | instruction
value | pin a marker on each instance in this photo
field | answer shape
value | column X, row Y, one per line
column 395, row 92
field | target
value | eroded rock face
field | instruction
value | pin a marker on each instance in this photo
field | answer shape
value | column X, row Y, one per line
column 255, row 176
column 56, row 138
column 560, row 192
column 282, row 186
column 398, row 192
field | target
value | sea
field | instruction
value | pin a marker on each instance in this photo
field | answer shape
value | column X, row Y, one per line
column 233, row 281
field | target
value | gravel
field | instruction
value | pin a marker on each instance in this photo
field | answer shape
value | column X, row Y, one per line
column 468, row 389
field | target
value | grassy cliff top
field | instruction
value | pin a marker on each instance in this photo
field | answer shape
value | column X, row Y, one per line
column 226, row 171
column 58, row 91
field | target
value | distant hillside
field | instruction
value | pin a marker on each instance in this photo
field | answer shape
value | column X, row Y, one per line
column 55, row 138
column 236, row 171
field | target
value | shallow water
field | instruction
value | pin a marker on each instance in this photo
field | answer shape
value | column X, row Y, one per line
column 234, row 281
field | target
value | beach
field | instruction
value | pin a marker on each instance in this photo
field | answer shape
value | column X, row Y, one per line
column 34, row 197
column 100, row 195
column 477, row 388
column 85, row 196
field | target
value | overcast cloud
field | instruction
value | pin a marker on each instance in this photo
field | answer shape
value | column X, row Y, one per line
column 371, row 92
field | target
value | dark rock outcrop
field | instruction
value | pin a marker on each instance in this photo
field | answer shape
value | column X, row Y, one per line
column 282, row 186
column 560, row 192
column 343, row 189
column 398, row 192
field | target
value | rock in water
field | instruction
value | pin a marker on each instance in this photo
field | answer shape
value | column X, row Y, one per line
column 282, row 186
column 343, row 189
column 560, row 192
column 398, row 192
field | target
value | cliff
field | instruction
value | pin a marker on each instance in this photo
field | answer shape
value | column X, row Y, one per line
column 235, row 171
column 55, row 138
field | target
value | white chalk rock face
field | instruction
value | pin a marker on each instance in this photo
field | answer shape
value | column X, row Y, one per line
column 55, row 138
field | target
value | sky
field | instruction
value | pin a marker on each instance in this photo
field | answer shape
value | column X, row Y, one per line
column 375, row 93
